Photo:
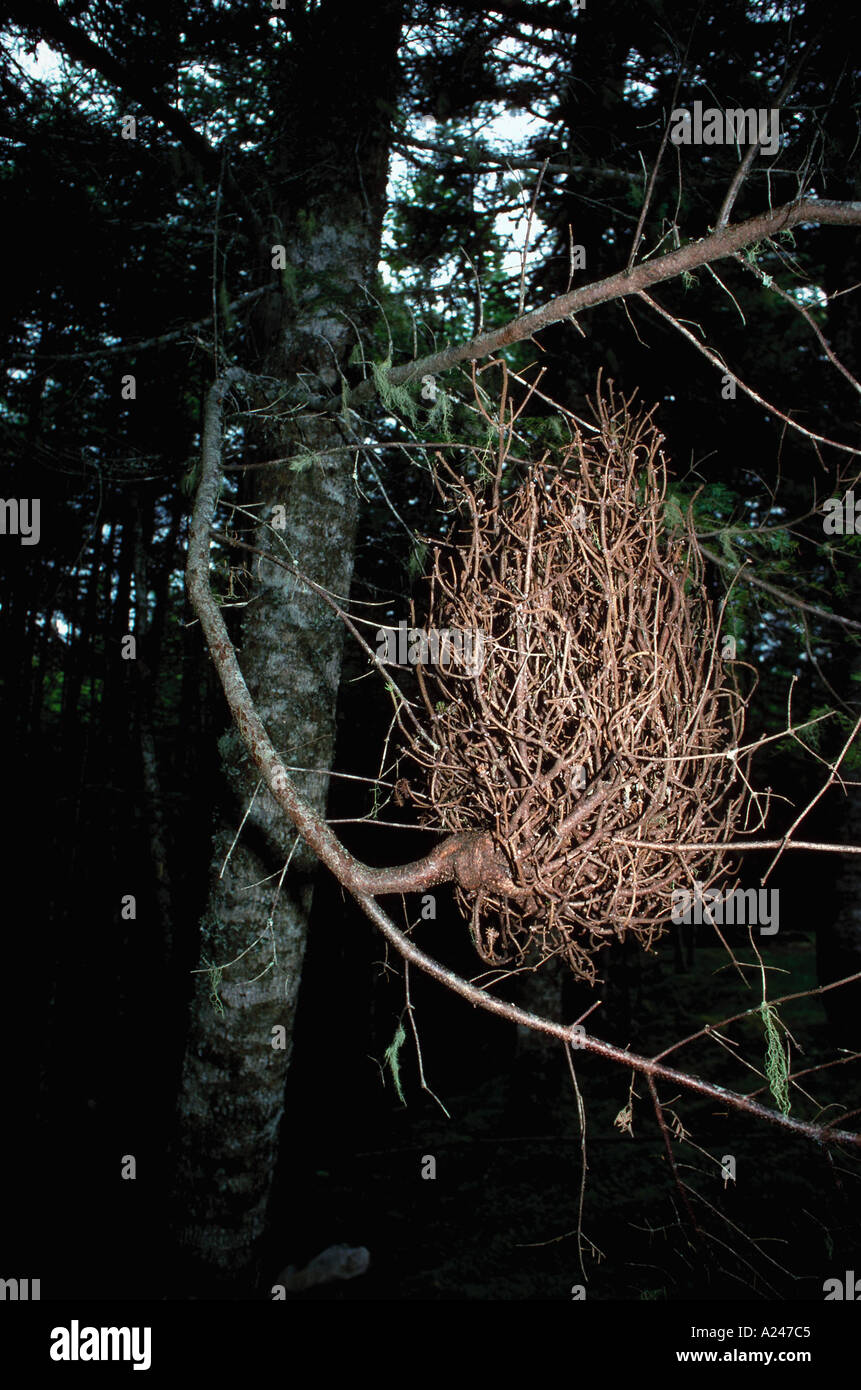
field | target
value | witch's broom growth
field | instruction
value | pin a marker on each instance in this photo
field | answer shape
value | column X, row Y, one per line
column 596, row 714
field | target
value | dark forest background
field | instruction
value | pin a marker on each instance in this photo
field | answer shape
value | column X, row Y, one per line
column 149, row 256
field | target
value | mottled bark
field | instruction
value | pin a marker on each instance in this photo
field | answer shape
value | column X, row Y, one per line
column 235, row 1065
column 327, row 196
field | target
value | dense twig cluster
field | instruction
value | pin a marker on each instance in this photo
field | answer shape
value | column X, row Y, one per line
column 597, row 708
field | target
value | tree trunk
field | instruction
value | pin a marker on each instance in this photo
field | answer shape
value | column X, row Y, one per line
column 332, row 176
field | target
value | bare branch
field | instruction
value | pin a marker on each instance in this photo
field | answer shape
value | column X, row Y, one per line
column 175, row 335
column 769, row 283
column 650, row 187
column 734, row 846
column 725, row 242
column 790, row 599
column 718, row 362
column 743, row 169
column 498, row 160
column 832, row 775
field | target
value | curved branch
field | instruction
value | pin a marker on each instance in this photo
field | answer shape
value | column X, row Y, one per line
column 356, row 877
column 468, row 857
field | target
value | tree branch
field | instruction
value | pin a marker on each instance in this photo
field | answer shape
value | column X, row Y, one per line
column 470, row 858
column 752, row 151
column 724, row 242
column 174, row 335
column 742, row 573
column 493, row 159
column 718, row 362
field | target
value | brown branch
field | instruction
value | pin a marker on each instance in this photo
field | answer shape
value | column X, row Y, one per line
column 769, row 283
column 671, row 1158
column 470, row 858
column 715, row 1029
column 741, row 572
column 717, row 361
column 650, row 187
column 725, row 242
column 587, row 1043
column 743, row 169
